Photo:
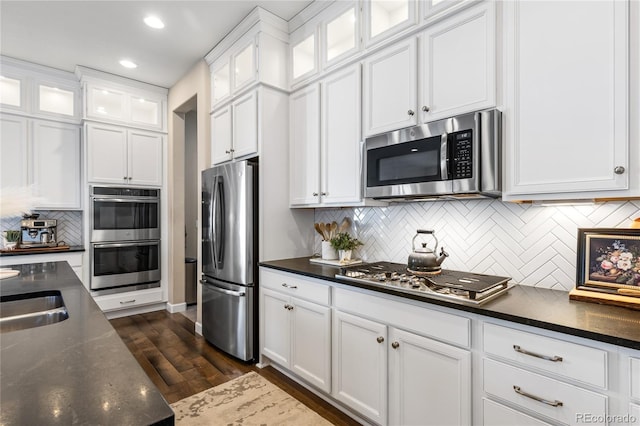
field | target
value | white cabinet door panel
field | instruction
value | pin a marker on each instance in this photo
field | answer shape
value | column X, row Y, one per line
column 360, row 365
column 495, row 414
column 311, row 335
column 276, row 325
column 567, row 96
column 221, row 135
column 245, row 125
column 341, row 137
column 145, row 158
column 304, row 140
column 429, row 381
column 459, row 64
column 56, row 163
column 107, row 153
column 14, row 151
column 390, row 88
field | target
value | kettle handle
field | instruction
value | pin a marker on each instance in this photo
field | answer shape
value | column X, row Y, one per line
column 424, row 231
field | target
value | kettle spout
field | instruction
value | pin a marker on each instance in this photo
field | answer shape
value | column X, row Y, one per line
column 443, row 256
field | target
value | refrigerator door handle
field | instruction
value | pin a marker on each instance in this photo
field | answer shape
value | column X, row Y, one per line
column 212, row 222
column 222, row 290
column 220, row 222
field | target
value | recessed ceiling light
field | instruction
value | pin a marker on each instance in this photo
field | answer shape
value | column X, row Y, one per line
column 154, row 22
column 128, row 64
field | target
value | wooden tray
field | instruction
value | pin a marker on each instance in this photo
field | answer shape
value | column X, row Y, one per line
column 605, row 299
column 335, row 262
column 36, row 250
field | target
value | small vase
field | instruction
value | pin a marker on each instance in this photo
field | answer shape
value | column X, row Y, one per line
column 328, row 252
column 345, row 255
column 10, row 245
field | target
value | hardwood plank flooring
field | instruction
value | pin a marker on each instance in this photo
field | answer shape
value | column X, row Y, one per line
column 181, row 363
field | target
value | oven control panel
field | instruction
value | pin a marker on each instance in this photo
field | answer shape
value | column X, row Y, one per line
column 461, row 154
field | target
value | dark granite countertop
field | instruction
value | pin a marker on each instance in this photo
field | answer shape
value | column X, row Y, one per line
column 77, row 371
column 33, row 251
column 537, row 307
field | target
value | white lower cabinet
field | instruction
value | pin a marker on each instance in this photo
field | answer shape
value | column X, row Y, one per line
column 74, row 259
column 114, row 302
column 634, row 413
column 296, row 333
column 495, row 414
column 360, row 365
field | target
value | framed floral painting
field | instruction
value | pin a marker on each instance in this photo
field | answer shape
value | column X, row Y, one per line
column 609, row 259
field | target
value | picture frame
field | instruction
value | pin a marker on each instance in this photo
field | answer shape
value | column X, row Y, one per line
column 609, row 260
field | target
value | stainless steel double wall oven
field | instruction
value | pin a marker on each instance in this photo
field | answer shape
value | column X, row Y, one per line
column 125, row 238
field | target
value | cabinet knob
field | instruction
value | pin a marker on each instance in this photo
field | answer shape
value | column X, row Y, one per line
column 129, row 178
column 395, row 345
column 410, row 112
column 425, row 108
column 226, row 151
column 288, row 307
column 125, row 178
column 380, row 339
column 315, row 194
column 232, row 150
column 324, row 194
column 619, row 170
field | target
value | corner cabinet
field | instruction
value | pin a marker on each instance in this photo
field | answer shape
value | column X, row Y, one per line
column 567, row 124
column 118, row 155
column 325, row 141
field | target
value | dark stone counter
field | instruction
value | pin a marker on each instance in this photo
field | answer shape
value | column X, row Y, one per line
column 537, row 307
column 40, row 251
column 77, row 371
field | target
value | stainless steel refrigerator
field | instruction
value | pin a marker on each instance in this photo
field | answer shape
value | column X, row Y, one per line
column 229, row 258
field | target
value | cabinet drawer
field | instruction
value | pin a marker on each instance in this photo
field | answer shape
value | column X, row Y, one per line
column 577, row 362
column 634, row 368
column 295, row 285
column 439, row 325
column 130, row 299
column 552, row 398
column 495, row 414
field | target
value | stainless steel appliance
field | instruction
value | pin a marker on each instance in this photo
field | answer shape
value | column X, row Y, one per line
column 467, row 288
column 38, row 233
column 458, row 157
column 124, row 264
column 124, row 214
column 229, row 258
column 125, row 239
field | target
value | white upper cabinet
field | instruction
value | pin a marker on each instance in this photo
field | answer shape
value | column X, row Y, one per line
column 254, row 52
column 234, row 129
column 105, row 103
column 458, row 64
column 39, row 91
column 341, row 33
column 14, row 151
column 304, row 55
column 221, row 140
column 385, row 18
column 304, row 142
column 390, row 88
column 566, row 115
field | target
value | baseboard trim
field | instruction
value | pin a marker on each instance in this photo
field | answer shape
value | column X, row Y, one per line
column 199, row 328
column 178, row 307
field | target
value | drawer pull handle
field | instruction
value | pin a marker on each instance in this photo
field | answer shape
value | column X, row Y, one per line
column 124, row 302
column 555, row 403
column 289, row 286
column 554, row 358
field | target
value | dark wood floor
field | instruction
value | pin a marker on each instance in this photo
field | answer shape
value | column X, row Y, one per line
column 181, row 363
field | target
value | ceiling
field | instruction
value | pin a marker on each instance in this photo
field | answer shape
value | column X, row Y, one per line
column 98, row 34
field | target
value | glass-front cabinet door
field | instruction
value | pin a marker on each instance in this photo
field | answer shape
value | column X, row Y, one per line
column 384, row 18
column 11, row 92
column 56, row 100
column 220, row 83
column 244, row 67
column 341, row 34
column 145, row 111
column 106, row 103
column 304, row 57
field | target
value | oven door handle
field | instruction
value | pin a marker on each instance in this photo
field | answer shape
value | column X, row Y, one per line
column 125, row 200
column 136, row 244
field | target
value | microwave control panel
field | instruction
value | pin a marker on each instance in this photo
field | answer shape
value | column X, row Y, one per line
column 461, row 154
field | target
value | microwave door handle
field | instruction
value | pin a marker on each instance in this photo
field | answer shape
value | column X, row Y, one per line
column 444, row 157
column 118, row 245
column 220, row 246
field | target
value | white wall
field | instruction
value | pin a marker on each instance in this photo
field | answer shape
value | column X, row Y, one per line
column 535, row 245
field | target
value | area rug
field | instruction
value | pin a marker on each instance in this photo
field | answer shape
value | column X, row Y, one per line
column 247, row 400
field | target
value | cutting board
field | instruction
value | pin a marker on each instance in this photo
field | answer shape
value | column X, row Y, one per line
column 605, row 299
column 36, row 250
column 8, row 273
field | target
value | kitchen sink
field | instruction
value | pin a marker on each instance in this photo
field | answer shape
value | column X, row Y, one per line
column 30, row 310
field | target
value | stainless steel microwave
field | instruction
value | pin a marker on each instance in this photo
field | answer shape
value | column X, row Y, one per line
column 458, row 157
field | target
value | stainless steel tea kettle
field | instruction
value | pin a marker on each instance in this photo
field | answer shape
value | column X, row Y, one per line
column 424, row 260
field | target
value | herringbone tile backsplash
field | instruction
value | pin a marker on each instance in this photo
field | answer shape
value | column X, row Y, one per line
column 69, row 225
column 535, row 245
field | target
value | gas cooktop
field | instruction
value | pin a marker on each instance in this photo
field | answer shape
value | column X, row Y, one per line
column 463, row 287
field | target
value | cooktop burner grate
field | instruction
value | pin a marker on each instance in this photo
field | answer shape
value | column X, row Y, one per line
column 464, row 287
